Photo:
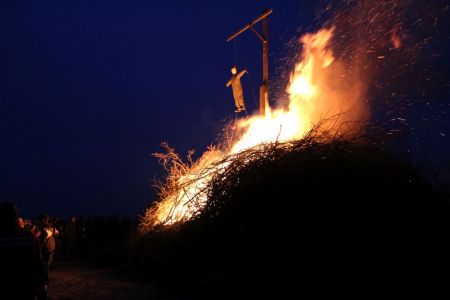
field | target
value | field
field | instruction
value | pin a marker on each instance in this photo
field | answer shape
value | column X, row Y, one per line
column 75, row 280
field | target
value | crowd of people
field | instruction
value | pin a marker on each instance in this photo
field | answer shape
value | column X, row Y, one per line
column 30, row 249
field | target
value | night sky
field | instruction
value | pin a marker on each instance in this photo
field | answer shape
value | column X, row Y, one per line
column 89, row 90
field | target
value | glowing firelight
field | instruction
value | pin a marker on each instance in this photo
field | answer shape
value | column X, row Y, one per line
column 313, row 96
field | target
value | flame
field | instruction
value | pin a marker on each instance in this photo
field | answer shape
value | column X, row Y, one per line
column 304, row 88
column 187, row 197
column 395, row 38
column 313, row 95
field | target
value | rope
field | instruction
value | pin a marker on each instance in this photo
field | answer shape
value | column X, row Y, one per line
column 235, row 52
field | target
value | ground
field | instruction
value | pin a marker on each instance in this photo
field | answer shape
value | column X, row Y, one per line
column 75, row 280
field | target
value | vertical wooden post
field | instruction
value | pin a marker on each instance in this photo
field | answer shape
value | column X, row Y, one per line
column 264, row 90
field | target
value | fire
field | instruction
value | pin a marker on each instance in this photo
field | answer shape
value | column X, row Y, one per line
column 184, row 196
column 304, row 89
column 395, row 38
column 313, row 96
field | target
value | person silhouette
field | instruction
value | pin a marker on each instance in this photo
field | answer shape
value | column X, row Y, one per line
column 22, row 273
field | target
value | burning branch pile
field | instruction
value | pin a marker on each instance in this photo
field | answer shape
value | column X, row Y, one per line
column 331, row 78
column 184, row 188
column 309, row 208
column 314, row 96
column 202, row 180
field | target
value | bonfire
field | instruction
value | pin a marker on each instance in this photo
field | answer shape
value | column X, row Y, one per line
column 303, row 200
column 315, row 98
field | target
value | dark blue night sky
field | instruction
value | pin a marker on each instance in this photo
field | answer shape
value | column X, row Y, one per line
column 89, row 89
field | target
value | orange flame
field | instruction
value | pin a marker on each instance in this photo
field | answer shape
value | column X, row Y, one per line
column 395, row 38
column 314, row 94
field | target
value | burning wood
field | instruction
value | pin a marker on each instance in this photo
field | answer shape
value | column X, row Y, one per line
column 190, row 184
column 314, row 97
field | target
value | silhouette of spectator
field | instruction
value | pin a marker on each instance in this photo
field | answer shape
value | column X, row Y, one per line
column 22, row 274
column 71, row 236
column 21, row 223
column 58, row 225
column 82, row 237
column 47, row 240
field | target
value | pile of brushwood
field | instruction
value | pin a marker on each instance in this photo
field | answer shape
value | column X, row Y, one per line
column 312, row 218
